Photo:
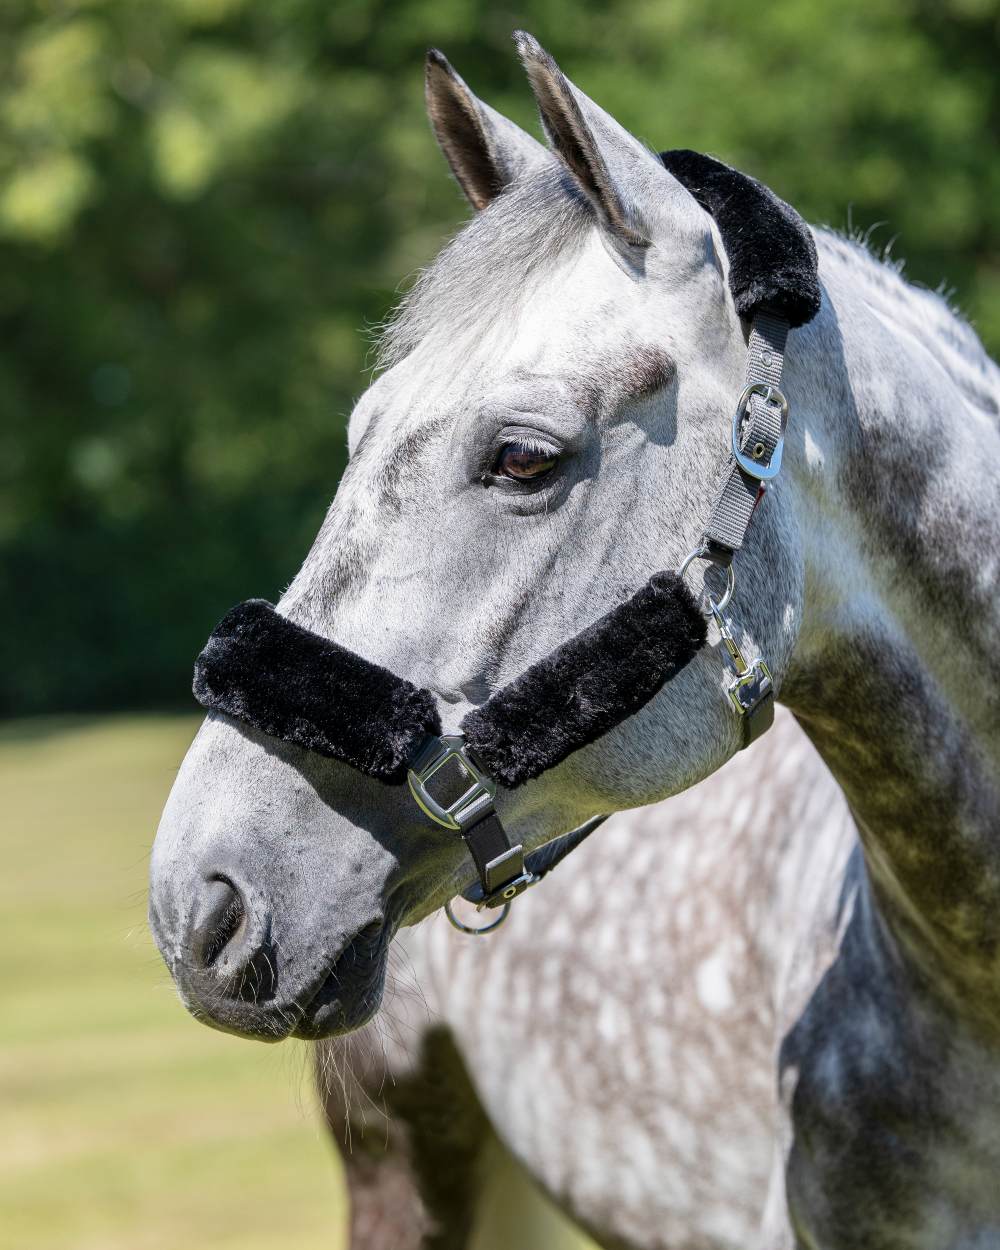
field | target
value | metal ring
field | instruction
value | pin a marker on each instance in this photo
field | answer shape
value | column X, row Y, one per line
column 462, row 927
column 699, row 553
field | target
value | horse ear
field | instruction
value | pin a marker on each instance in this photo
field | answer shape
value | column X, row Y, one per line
column 486, row 152
column 613, row 169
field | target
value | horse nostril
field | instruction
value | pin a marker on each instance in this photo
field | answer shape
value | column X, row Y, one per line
column 230, row 952
column 219, row 916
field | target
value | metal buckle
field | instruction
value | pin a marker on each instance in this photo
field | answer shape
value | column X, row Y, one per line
column 472, row 805
column 749, row 688
column 504, row 894
column 753, row 468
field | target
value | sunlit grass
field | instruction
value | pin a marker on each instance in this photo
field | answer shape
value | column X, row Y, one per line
column 126, row 1125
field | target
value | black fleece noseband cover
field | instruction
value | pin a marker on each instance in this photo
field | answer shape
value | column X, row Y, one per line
column 296, row 685
column 293, row 684
column 772, row 256
column 589, row 684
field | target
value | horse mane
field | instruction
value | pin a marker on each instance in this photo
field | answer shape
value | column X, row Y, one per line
column 924, row 313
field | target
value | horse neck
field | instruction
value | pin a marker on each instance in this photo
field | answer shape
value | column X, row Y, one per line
column 895, row 477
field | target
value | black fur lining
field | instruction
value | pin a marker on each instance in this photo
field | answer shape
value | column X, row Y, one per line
column 589, row 684
column 293, row 684
column 772, row 256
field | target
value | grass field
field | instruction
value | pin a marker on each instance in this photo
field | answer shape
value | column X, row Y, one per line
column 126, row 1125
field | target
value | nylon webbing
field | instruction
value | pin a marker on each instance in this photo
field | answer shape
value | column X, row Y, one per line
column 542, row 860
column 734, row 505
column 497, row 862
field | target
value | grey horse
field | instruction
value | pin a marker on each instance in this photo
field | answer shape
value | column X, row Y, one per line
column 548, row 431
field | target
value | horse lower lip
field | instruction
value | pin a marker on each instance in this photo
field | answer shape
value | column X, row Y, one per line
column 333, row 1006
column 328, row 1014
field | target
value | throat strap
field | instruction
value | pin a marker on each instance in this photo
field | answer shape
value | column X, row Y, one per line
column 541, row 862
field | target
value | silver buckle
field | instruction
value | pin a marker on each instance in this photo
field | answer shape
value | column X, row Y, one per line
column 753, row 468
column 472, row 805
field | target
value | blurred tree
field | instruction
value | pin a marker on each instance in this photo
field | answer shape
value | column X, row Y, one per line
column 203, row 203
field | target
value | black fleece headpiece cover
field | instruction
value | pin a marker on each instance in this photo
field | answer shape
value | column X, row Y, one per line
column 296, row 685
column 772, row 256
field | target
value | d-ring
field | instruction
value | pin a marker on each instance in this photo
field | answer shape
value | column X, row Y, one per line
column 486, row 928
column 699, row 553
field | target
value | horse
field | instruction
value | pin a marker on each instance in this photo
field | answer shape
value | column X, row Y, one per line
column 549, row 428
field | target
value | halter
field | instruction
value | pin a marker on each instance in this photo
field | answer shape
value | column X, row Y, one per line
column 296, row 685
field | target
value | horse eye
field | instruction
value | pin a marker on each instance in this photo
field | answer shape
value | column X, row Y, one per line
column 524, row 462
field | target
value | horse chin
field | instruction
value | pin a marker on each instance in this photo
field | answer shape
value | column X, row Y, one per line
column 351, row 992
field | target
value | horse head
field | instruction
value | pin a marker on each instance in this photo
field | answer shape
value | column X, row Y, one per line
column 547, row 431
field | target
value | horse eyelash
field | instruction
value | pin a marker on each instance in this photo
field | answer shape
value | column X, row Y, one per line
column 531, row 442
column 486, row 476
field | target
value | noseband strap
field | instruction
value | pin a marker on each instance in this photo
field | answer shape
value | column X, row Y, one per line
column 588, row 685
column 293, row 684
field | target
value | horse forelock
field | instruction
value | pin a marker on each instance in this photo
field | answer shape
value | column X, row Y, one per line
column 491, row 265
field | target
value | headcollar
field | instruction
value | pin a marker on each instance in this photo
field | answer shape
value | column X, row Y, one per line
column 293, row 684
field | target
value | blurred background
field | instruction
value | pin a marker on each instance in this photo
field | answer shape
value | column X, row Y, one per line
column 206, row 206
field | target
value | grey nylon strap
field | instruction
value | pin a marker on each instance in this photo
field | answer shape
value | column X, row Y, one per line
column 733, row 508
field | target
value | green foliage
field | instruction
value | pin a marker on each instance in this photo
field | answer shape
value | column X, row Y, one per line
column 204, row 202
